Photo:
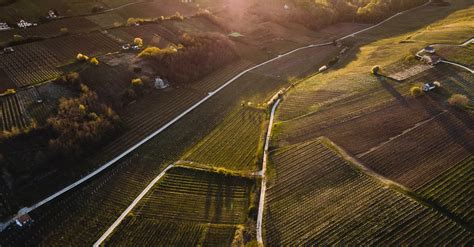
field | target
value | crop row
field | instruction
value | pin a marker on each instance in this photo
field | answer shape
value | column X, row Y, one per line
column 198, row 202
column 53, row 28
column 453, row 190
column 300, row 101
column 151, row 34
column 148, row 116
column 65, row 49
column 424, row 152
column 29, row 64
column 334, row 113
column 234, row 143
column 12, row 113
column 368, row 130
column 69, row 219
column 216, row 79
column 317, row 198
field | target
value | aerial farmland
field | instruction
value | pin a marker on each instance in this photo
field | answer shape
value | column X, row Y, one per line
column 236, row 123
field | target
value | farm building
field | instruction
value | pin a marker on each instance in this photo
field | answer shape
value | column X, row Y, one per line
column 4, row 26
column 23, row 220
column 431, row 59
column 429, row 49
column 52, row 14
column 25, row 24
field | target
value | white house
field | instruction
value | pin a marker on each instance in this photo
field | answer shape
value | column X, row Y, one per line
column 25, row 24
column 161, row 83
column 4, row 26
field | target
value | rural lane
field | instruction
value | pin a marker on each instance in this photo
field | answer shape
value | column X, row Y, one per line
column 263, row 172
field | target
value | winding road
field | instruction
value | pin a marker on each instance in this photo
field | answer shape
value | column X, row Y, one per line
column 26, row 210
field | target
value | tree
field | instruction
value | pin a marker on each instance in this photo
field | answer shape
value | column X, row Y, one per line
column 138, row 42
column 458, row 100
column 81, row 57
column 416, row 91
column 375, row 70
column 137, row 82
column 94, row 61
column 81, row 122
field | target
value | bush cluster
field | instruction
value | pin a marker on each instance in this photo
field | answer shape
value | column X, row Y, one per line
column 80, row 123
column 196, row 57
column 458, row 100
column 320, row 13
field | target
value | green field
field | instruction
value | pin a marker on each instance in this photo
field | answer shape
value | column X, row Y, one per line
column 187, row 207
column 234, row 144
column 457, row 54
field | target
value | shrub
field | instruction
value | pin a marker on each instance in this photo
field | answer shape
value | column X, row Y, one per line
column 71, row 78
column 375, row 70
column 416, row 91
column 137, row 82
column 8, row 91
column 64, row 30
column 409, row 58
column 81, row 57
column 176, row 17
column 184, row 63
column 458, row 100
column 138, row 42
column 94, row 61
column 155, row 51
column 80, row 123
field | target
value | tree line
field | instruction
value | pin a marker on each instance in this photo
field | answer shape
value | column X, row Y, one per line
column 319, row 13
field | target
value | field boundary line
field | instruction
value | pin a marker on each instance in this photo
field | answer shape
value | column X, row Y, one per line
column 393, row 138
column 131, row 206
column 26, row 210
column 397, row 187
column 263, row 172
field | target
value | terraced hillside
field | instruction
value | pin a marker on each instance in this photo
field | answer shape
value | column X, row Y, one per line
column 187, row 208
column 317, row 197
column 234, row 144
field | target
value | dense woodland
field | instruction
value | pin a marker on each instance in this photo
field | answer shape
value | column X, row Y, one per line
column 320, row 13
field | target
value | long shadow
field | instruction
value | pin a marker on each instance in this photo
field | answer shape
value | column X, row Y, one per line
column 218, row 201
column 459, row 135
column 387, row 86
column 208, row 201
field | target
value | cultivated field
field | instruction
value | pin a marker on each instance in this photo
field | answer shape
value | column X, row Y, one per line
column 453, row 190
column 300, row 101
column 424, row 152
column 317, row 197
column 457, row 54
column 29, row 64
column 235, row 144
column 187, row 207
column 65, row 49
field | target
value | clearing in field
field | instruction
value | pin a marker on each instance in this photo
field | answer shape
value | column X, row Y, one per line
column 187, row 208
column 234, row 144
column 317, row 197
